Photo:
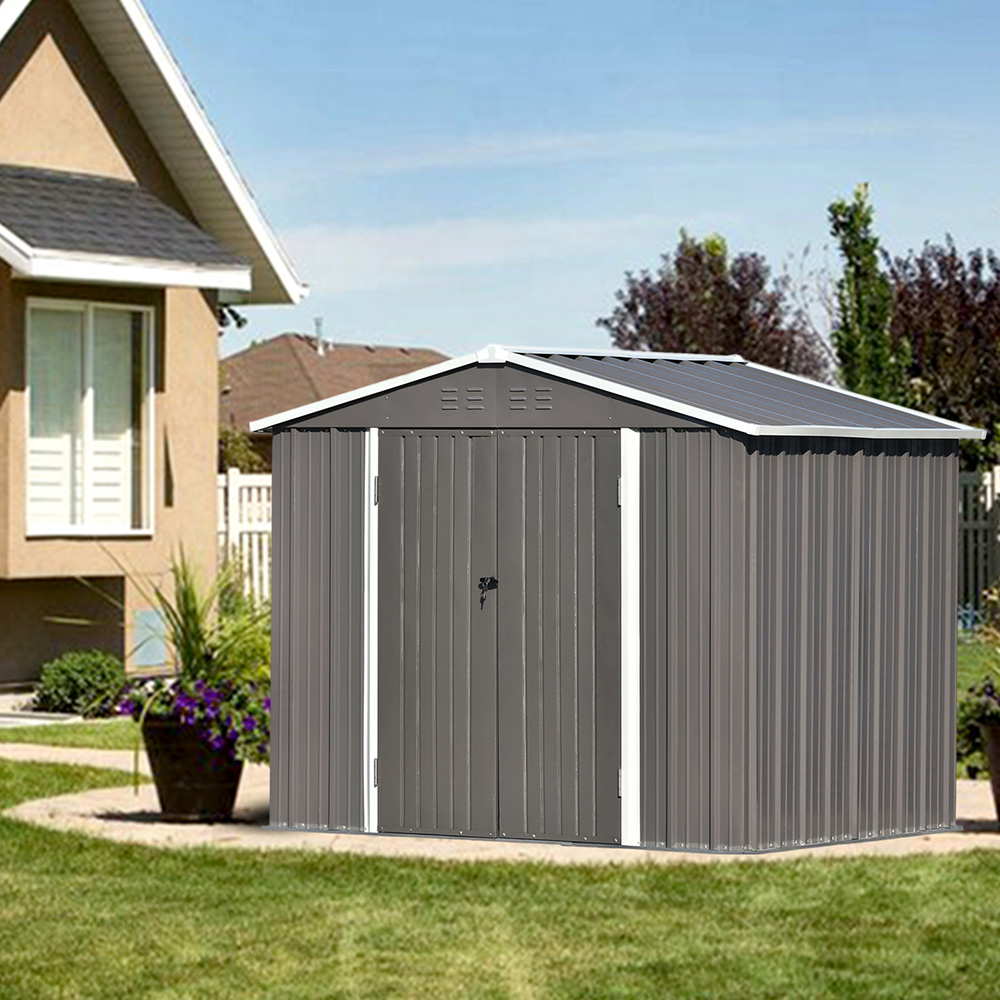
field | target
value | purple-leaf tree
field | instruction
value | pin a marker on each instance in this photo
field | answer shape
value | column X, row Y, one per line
column 702, row 301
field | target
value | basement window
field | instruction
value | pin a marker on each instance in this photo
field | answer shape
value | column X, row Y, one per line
column 90, row 418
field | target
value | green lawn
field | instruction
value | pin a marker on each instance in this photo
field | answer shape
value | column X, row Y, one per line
column 112, row 734
column 974, row 660
column 91, row 919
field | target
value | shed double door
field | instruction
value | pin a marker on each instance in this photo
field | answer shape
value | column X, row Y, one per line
column 498, row 660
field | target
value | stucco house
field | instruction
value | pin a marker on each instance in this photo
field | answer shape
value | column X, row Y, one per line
column 124, row 226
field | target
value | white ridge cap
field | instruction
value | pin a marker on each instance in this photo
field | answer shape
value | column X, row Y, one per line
column 492, row 354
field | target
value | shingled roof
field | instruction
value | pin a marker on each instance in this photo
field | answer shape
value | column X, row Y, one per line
column 289, row 371
column 80, row 213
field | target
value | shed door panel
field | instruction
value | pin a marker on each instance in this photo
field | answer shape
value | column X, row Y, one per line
column 559, row 635
column 437, row 647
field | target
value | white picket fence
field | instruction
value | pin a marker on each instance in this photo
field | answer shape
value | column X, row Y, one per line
column 245, row 527
column 245, row 531
column 978, row 534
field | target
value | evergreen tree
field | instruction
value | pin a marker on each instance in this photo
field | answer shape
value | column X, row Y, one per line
column 870, row 361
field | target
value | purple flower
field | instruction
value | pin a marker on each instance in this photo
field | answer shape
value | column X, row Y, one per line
column 217, row 742
column 127, row 707
column 267, row 704
column 249, row 724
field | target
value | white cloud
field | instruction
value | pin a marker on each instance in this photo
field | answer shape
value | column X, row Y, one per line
column 364, row 258
column 518, row 149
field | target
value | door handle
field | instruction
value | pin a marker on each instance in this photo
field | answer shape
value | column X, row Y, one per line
column 486, row 584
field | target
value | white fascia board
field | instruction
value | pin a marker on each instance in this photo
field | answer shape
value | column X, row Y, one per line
column 214, row 149
column 366, row 391
column 10, row 11
column 13, row 250
column 54, row 265
column 970, row 432
column 44, row 265
column 883, row 433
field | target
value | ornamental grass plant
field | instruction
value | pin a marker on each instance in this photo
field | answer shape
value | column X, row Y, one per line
column 220, row 642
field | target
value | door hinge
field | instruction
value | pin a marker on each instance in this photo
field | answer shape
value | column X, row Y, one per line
column 375, row 772
column 619, row 491
column 619, row 782
column 375, row 493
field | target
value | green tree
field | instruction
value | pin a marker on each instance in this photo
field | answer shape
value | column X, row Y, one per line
column 870, row 361
column 701, row 300
column 236, row 451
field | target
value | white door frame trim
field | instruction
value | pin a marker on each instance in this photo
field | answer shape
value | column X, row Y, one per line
column 371, row 632
column 630, row 623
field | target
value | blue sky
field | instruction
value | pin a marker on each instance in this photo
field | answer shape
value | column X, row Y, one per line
column 455, row 173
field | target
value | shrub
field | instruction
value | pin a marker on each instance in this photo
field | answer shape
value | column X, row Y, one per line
column 86, row 682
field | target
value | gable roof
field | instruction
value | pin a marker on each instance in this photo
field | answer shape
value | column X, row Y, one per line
column 725, row 391
column 53, row 219
column 178, row 128
column 288, row 371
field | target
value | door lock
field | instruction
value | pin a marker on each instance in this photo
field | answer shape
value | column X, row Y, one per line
column 486, row 584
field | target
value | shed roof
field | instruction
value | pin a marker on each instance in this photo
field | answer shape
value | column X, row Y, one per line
column 725, row 391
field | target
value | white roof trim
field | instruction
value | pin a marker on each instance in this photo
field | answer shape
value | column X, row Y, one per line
column 216, row 152
column 364, row 392
column 499, row 355
column 857, row 395
column 101, row 269
column 222, row 163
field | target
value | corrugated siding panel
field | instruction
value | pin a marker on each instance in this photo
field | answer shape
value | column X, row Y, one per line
column 811, row 697
column 437, row 645
column 559, row 635
column 676, row 625
column 317, row 641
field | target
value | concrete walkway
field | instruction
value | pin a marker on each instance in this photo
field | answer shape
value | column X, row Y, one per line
column 119, row 814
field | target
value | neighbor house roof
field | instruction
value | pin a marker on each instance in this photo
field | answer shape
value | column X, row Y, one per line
column 725, row 391
column 291, row 371
column 178, row 128
column 51, row 221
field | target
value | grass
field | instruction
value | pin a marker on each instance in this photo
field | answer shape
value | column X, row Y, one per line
column 975, row 659
column 112, row 734
column 86, row 919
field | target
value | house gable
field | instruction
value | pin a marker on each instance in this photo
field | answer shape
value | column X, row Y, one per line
column 61, row 109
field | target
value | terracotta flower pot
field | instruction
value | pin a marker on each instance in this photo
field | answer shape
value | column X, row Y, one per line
column 194, row 783
column 991, row 743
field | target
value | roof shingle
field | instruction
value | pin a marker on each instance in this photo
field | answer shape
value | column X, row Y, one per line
column 80, row 213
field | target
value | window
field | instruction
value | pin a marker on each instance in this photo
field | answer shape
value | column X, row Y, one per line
column 90, row 402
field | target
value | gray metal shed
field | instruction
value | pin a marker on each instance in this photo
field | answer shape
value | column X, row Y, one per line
column 664, row 600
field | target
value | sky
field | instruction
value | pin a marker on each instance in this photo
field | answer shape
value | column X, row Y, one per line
column 453, row 173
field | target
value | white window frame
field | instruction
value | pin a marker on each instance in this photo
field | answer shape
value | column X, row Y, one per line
column 87, row 309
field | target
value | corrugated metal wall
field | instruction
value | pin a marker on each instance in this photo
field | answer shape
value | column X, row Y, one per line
column 317, row 669
column 798, row 639
column 559, row 635
column 437, row 744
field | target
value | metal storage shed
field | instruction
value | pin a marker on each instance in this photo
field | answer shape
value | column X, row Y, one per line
column 664, row 600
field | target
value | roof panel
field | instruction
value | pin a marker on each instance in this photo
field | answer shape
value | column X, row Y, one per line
column 753, row 394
